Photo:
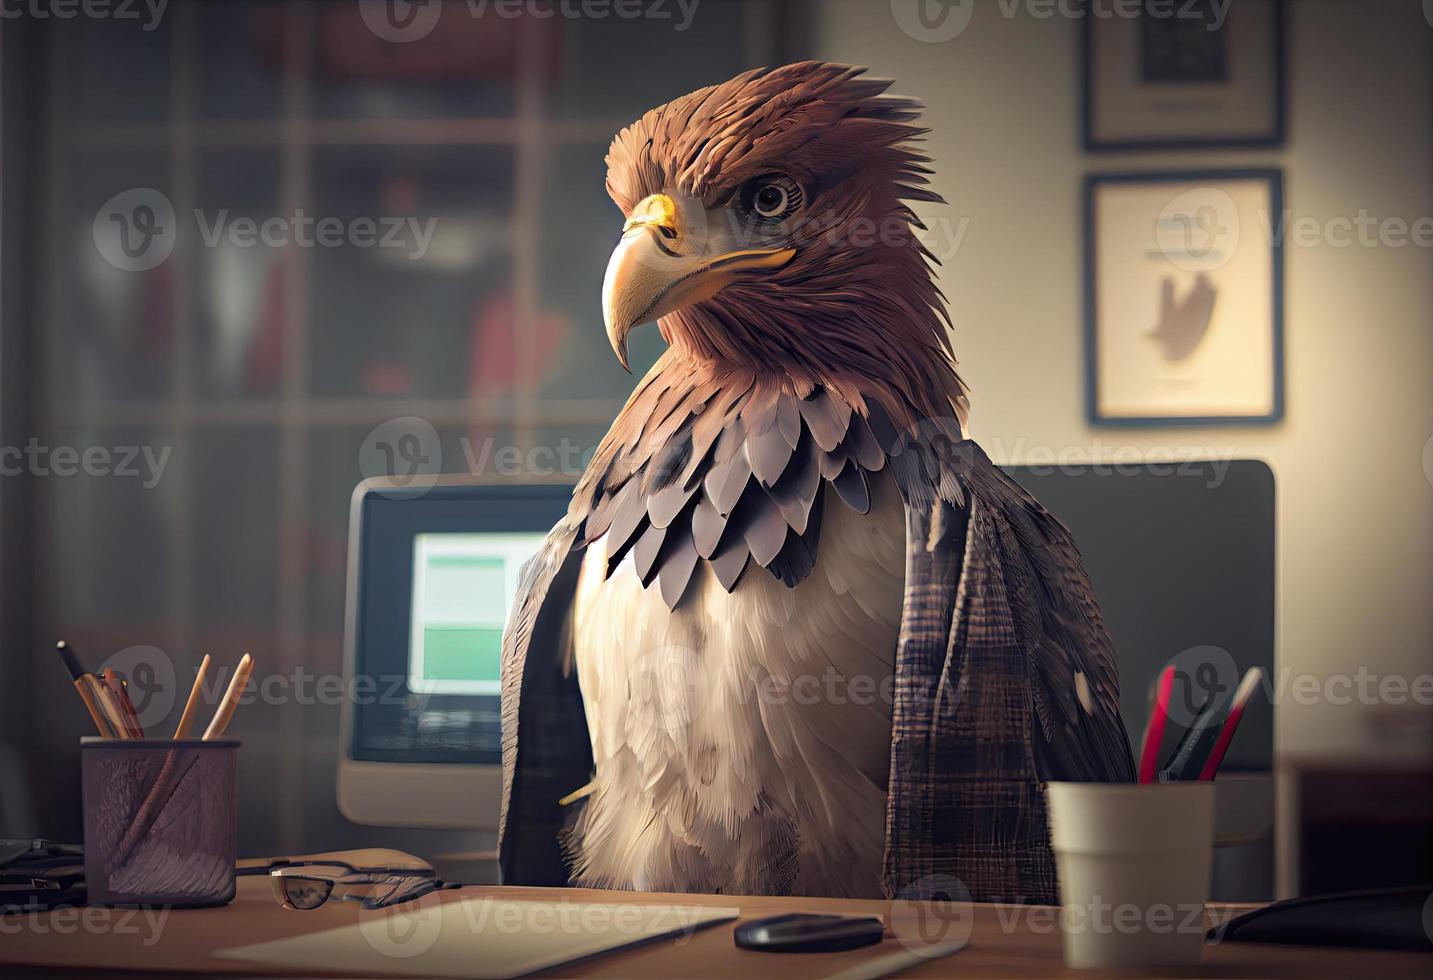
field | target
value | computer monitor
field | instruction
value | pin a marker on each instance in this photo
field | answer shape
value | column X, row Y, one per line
column 1180, row 557
column 432, row 573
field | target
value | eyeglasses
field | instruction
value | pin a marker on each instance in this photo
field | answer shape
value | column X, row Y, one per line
column 305, row 886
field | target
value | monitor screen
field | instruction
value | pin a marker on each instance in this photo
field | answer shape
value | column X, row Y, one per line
column 463, row 587
column 436, row 574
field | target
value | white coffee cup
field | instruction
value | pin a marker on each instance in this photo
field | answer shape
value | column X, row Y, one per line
column 1134, row 863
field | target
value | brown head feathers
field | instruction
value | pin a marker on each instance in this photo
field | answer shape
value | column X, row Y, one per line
column 857, row 307
column 775, row 385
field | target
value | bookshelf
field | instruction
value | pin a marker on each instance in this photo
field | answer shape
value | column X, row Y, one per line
column 263, row 368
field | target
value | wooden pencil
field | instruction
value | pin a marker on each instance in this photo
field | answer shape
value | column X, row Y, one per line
column 191, row 706
column 225, row 712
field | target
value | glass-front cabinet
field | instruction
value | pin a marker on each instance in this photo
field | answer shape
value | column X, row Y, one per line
column 274, row 228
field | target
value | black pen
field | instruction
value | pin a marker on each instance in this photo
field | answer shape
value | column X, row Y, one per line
column 1197, row 742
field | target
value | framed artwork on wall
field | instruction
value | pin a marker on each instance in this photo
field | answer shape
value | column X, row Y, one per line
column 1184, row 297
column 1169, row 74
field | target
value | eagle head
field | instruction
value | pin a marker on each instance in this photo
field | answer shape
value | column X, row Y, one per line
column 765, row 222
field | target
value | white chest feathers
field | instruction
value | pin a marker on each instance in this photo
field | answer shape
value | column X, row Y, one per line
column 742, row 740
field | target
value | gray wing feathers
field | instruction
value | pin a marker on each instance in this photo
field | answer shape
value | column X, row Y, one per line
column 1057, row 620
column 540, row 700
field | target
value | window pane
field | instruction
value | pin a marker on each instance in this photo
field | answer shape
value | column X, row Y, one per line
column 236, row 532
column 455, row 65
column 240, row 58
column 113, row 275
column 111, row 522
column 112, row 68
column 239, row 318
column 619, row 67
column 415, row 299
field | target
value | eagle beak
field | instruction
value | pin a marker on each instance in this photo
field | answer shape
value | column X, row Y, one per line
column 673, row 255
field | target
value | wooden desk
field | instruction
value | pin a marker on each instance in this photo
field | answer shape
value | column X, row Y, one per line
column 1006, row 941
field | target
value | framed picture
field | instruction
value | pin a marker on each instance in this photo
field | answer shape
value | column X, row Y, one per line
column 1184, row 297
column 1167, row 74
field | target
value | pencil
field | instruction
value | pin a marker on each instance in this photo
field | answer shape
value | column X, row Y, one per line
column 899, row 961
column 128, row 717
column 192, row 705
column 109, row 706
column 226, row 709
column 82, row 687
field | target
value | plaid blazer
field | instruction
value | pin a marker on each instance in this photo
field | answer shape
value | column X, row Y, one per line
column 1005, row 678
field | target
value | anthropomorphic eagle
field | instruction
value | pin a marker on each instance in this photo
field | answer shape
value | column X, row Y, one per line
column 796, row 634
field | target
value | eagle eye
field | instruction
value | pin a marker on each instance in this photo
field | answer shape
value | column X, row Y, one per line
column 770, row 198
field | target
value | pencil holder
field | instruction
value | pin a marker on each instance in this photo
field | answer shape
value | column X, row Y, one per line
column 161, row 820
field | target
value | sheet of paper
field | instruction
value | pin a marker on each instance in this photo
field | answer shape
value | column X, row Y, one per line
column 479, row 937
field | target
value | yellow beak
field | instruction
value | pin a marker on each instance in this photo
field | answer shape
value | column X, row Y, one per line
column 672, row 255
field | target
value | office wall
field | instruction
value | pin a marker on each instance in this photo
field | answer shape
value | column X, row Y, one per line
column 1352, row 457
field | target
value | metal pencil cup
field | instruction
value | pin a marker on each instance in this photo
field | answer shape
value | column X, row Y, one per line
column 161, row 819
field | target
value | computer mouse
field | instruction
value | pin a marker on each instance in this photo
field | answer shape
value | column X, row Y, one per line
column 800, row 932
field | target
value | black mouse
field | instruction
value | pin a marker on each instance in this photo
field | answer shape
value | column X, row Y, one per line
column 801, row 932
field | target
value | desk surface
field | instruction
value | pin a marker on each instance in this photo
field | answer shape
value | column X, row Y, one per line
column 1005, row 941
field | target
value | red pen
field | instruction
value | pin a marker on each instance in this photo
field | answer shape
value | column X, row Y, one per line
column 1154, row 731
column 1242, row 694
